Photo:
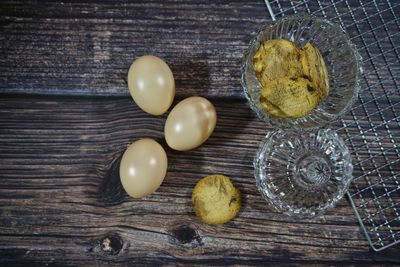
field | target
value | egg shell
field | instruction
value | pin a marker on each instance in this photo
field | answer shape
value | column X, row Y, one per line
column 143, row 167
column 151, row 84
column 190, row 123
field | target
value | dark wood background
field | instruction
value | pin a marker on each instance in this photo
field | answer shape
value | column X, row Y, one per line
column 66, row 117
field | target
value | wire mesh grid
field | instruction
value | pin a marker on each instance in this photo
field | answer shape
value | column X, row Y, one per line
column 372, row 128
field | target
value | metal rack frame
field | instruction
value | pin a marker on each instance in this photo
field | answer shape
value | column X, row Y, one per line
column 372, row 129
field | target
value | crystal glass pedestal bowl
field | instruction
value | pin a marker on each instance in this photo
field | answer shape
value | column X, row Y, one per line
column 302, row 173
column 341, row 58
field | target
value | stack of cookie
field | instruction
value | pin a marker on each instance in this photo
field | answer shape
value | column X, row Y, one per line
column 293, row 79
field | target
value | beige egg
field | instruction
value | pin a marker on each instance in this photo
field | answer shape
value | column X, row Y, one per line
column 190, row 123
column 143, row 168
column 151, row 84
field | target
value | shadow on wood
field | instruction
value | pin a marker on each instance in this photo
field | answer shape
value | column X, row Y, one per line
column 192, row 77
column 110, row 190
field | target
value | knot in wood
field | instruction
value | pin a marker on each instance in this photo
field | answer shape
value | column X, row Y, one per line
column 185, row 234
column 111, row 244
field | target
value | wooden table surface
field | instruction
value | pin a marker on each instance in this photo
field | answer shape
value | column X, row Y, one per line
column 66, row 117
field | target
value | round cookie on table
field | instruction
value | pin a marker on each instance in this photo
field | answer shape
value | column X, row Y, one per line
column 215, row 200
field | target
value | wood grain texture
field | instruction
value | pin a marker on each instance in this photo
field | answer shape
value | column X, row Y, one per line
column 61, row 202
column 87, row 48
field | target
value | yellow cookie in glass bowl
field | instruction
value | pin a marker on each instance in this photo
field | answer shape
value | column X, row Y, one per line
column 215, row 200
column 342, row 66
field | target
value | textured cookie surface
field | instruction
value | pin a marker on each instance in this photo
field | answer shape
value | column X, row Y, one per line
column 294, row 80
column 276, row 59
column 289, row 97
column 215, row 200
column 314, row 69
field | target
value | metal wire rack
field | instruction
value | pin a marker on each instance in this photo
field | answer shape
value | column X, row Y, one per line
column 372, row 128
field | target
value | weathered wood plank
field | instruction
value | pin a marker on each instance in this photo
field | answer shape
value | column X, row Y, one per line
column 61, row 201
column 87, row 48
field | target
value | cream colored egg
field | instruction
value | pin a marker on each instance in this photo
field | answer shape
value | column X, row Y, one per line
column 190, row 123
column 143, row 167
column 151, row 84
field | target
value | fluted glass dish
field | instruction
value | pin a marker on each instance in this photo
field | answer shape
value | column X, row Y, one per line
column 341, row 58
column 303, row 174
